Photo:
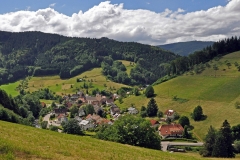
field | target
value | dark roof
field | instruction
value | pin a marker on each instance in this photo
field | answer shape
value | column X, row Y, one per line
column 115, row 109
column 58, row 110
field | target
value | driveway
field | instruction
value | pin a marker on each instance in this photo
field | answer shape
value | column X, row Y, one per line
column 165, row 144
column 47, row 118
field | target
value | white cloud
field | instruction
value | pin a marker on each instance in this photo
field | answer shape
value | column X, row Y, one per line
column 52, row 5
column 144, row 26
column 28, row 8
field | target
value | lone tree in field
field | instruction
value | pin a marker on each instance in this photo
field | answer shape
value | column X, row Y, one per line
column 152, row 108
column 197, row 113
column 149, row 91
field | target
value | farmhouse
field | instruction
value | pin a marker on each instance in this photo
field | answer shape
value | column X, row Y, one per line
column 91, row 100
column 114, row 109
column 170, row 130
column 169, row 113
column 85, row 125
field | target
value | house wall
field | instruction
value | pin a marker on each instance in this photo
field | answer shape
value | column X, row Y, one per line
column 171, row 117
column 87, row 126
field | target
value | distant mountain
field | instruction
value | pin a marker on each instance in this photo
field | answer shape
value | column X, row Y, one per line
column 185, row 48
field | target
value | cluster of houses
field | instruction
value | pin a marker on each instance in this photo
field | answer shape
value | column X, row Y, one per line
column 90, row 121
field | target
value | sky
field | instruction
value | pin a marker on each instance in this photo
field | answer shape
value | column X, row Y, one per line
column 152, row 22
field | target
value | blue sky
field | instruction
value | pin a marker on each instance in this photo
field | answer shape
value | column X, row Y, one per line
column 74, row 6
column 152, row 22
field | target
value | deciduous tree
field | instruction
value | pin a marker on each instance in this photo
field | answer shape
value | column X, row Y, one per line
column 184, row 121
column 131, row 130
column 197, row 113
column 149, row 91
column 72, row 127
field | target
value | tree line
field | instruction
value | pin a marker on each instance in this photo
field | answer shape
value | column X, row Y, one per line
column 218, row 49
column 39, row 54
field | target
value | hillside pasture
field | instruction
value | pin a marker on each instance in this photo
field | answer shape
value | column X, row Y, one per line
column 10, row 88
column 215, row 90
column 23, row 142
column 128, row 66
column 66, row 86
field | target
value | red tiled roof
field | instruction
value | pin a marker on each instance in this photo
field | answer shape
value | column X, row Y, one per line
column 60, row 116
column 170, row 129
column 153, row 122
column 103, row 121
column 89, row 116
column 95, row 117
column 43, row 104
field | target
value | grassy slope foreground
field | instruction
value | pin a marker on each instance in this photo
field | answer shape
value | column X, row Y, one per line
column 23, row 142
column 217, row 95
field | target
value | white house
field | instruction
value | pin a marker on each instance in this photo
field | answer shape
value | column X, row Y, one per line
column 85, row 125
column 81, row 112
column 132, row 110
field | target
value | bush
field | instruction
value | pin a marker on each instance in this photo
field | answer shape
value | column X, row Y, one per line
column 237, row 105
column 53, row 128
column 44, row 124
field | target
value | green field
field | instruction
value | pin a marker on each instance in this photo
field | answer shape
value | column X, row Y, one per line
column 66, row 86
column 11, row 88
column 128, row 66
column 23, row 142
column 216, row 94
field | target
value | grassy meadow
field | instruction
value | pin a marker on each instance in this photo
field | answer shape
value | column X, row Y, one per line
column 216, row 91
column 128, row 66
column 23, row 142
column 10, row 88
column 66, row 86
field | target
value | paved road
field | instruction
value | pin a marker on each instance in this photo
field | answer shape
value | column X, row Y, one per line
column 47, row 118
column 165, row 144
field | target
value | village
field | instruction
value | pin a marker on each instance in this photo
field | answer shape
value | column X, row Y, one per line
column 105, row 112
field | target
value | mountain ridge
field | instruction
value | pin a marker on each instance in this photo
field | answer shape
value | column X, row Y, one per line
column 186, row 48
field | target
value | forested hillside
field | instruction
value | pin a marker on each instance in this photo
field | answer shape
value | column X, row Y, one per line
column 185, row 48
column 39, row 54
column 195, row 60
column 35, row 53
